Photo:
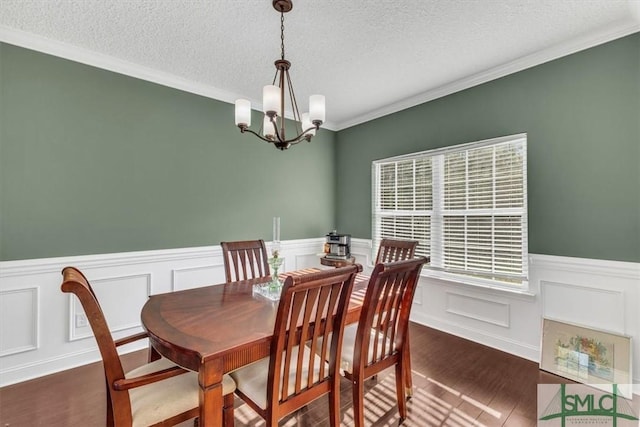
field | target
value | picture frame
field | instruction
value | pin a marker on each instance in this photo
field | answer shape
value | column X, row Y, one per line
column 586, row 355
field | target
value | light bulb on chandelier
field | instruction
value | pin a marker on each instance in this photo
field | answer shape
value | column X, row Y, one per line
column 273, row 102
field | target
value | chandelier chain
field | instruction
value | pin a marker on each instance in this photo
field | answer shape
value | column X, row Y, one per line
column 282, row 33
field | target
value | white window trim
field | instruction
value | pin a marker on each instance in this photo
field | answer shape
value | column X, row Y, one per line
column 477, row 282
column 438, row 201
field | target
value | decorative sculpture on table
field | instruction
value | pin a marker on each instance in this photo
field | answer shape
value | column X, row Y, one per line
column 273, row 288
column 275, row 262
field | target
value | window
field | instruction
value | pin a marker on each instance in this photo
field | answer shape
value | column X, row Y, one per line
column 466, row 205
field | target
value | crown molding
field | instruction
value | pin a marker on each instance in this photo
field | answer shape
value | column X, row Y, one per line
column 110, row 63
column 528, row 61
column 88, row 57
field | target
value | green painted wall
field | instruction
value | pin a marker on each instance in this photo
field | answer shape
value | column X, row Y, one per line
column 582, row 116
column 96, row 162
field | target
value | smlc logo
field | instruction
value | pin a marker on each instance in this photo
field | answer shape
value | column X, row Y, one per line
column 586, row 406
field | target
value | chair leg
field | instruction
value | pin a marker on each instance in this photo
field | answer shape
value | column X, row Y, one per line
column 110, row 419
column 400, row 390
column 334, row 405
column 271, row 419
column 358, row 402
column 228, row 419
column 408, row 380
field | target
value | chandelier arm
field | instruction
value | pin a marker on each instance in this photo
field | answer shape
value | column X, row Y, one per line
column 314, row 127
column 282, row 99
column 246, row 129
column 292, row 141
column 300, row 137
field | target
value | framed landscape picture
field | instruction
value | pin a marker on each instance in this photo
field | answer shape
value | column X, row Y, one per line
column 586, row 355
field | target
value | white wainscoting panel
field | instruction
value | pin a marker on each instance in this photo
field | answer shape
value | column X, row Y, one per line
column 481, row 309
column 595, row 293
column 361, row 250
column 122, row 314
column 500, row 319
column 603, row 295
column 593, row 307
column 305, row 261
column 19, row 323
column 197, row 276
column 42, row 338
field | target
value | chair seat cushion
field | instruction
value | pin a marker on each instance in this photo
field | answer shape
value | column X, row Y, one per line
column 349, row 345
column 158, row 401
column 252, row 380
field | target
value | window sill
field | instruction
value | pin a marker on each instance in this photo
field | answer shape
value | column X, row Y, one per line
column 494, row 287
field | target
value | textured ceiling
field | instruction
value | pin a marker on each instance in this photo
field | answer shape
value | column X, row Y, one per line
column 369, row 58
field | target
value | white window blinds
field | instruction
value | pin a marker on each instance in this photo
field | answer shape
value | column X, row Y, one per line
column 466, row 205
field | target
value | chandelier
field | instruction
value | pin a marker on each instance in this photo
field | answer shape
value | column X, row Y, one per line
column 273, row 102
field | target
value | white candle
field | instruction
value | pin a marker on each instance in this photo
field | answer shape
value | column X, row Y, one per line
column 276, row 228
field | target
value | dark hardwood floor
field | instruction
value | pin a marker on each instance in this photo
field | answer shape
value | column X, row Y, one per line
column 456, row 383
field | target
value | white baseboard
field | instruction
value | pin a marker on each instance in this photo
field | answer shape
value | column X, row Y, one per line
column 63, row 362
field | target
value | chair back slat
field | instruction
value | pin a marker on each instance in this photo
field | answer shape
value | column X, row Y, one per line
column 245, row 260
column 324, row 299
column 391, row 250
column 311, row 305
column 312, row 308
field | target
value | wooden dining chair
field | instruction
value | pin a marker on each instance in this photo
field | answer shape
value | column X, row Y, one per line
column 395, row 250
column 311, row 307
column 391, row 250
column 378, row 340
column 245, row 259
column 158, row 393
